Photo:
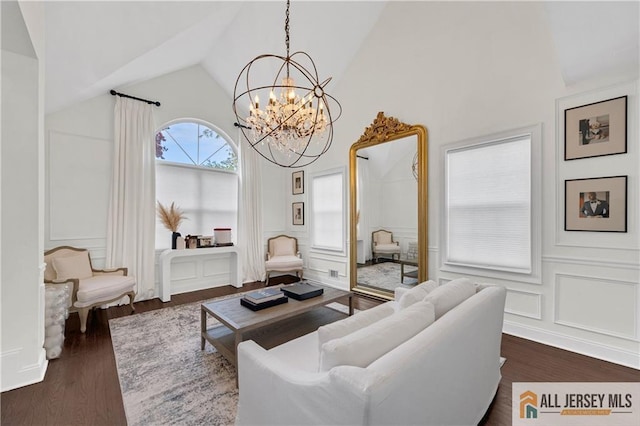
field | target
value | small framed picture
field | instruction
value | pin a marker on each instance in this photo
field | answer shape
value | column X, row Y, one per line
column 297, row 182
column 596, row 204
column 298, row 213
column 596, row 129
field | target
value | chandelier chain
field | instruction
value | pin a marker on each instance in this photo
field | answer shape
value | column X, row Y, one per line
column 286, row 28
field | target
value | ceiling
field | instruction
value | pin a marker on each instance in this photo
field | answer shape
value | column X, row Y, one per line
column 92, row 47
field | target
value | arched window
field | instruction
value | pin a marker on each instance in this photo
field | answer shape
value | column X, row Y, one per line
column 196, row 168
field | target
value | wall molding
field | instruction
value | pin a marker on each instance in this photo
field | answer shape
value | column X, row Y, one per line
column 616, row 165
column 15, row 375
column 538, row 312
column 556, row 308
column 592, row 262
column 627, row 358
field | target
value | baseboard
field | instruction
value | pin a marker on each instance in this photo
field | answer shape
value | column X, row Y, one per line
column 606, row 353
column 15, row 375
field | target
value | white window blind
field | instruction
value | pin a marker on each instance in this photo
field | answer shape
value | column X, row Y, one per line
column 327, row 208
column 488, row 205
column 208, row 197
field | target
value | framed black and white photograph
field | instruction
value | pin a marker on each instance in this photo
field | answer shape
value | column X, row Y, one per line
column 298, row 213
column 596, row 204
column 297, row 182
column 596, row 129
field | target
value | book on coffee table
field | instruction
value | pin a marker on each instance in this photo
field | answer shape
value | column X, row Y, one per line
column 257, row 306
column 264, row 295
column 302, row 291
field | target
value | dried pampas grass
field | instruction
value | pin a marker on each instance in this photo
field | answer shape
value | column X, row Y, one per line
column 171, row 217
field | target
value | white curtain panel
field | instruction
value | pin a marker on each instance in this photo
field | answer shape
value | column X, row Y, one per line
column 364, row 205
column 250, row 229
column 131, row 218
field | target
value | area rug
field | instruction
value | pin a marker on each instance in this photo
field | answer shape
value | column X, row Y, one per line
column 165, row 377
column 385, row 275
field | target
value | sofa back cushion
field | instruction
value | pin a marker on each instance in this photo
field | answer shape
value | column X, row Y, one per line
column 362, row 319
column 450, row 295
column 367, row 344
column 416, row 294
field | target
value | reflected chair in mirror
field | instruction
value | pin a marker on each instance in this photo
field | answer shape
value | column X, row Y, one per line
column 283, row 256
column 382, row 245
column 88, row 287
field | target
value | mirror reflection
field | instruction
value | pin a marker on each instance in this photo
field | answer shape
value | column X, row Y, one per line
column 388, row 208
column 387, row 215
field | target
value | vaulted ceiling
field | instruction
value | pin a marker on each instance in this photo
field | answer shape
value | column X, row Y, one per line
column 92, row 47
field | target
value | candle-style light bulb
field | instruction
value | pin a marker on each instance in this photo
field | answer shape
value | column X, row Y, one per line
column 256, row 101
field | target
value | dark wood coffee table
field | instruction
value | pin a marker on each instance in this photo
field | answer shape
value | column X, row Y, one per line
column 236, row 320
column 410, row 274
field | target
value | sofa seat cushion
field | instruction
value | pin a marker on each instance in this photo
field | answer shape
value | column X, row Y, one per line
column 353, row 323
column 285, row 263
column 362, row 347
column 103, row 288
column 416, row 294
column 450, row 295
column 387, row 248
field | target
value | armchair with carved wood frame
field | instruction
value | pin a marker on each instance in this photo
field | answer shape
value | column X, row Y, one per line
column 283, row 256
column 382, row 244
column 89, row 287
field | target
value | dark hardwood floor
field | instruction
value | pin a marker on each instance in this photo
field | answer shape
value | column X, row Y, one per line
column 81, row 387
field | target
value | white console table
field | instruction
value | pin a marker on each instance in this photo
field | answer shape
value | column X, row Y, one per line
column 168, row 255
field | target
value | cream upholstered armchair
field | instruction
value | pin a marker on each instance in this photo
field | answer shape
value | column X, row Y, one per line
column 283, row 256
column 88, row 287
column 382, row 244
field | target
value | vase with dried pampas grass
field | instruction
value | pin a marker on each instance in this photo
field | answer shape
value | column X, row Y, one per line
column 171, row 218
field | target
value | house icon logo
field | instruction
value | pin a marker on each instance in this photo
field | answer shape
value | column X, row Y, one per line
column 528, row 405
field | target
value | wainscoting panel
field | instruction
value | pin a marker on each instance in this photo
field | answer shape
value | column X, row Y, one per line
column 216, row 266
column 79, row 167
column 184, row 270
column 321, row 264
column 524, row 304
column 599, row 305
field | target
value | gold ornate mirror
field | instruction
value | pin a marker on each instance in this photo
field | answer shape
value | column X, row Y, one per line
column 388, row 207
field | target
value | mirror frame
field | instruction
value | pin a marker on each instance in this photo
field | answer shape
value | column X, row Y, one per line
column 382, row 130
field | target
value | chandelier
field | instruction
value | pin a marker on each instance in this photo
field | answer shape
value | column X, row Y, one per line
column 294, row 126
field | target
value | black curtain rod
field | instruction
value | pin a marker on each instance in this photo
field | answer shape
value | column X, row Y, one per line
column 360, row 156
column 114, row 93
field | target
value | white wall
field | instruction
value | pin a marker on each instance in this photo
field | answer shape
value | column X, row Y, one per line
column 22, row 295
column 480, row 68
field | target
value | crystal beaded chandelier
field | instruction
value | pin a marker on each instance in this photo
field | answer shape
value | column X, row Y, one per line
column 295, row 127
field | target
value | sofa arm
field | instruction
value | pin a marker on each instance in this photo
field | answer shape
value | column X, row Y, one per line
column 398, row 292
column 113, row 271
column 270, row 392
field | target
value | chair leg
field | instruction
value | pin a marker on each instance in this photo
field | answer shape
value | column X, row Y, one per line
column 132, row 296
column 266, row 283
column 84, row 313
column 299, row 276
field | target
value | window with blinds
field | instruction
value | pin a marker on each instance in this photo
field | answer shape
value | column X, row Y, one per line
column 328, row 211
column 489, row 205
column 196, row 167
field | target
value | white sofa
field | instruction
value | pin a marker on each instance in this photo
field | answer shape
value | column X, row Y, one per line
column 385, row 365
